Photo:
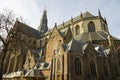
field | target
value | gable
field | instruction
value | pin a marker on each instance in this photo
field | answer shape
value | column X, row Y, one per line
column 29, row 61
column 53, row 42
column 55, row 36
column 87, row 14
column 89, row 49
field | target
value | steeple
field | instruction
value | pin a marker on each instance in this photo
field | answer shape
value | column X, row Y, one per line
column 43, row 23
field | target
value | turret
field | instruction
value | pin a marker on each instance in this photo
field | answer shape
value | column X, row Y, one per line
column 43, row 28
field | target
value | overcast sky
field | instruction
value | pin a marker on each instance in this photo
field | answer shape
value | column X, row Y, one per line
column 62, row 10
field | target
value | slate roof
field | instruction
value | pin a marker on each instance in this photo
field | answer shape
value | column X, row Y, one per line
column 99, row 35
column 75, row 46
column 100, row 51
column 103, row 52
column 80, row 46
column 43, row 65
column 33, row 73
column 27, row 30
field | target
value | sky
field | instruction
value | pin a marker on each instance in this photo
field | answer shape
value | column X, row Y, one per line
column 62, row 10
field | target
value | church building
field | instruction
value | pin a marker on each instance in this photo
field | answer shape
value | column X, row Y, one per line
column 81, row 48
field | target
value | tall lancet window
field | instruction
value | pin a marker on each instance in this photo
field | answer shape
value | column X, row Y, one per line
column 91, row 27
column 58, row 66
column 92, row 69
column 78, row 68
column 77, row 29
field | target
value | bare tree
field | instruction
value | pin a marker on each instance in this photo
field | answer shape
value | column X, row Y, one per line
column 7, row 20
column 7, row 34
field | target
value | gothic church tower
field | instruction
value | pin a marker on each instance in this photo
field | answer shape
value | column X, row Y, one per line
column 43, row 28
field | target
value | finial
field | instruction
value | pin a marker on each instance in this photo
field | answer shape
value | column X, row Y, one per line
column 44, row 11
column 45, row 7
column 17, row 19
column 55, row 24
column 110, row 40
column 63, row 23
column 69, row 26
column 99, row 13
column 71, row 19
column 105, row 20
column 81, row 16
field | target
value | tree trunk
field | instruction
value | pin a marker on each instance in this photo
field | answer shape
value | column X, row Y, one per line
column 2, row 62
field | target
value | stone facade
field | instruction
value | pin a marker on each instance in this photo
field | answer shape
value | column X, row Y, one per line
column 81, row 48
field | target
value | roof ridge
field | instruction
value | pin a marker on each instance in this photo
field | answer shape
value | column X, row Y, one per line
column 87, row 14
column 27, row 25
column 26, row 29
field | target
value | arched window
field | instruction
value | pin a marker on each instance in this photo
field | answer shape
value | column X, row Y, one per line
column 78, row 68
column 58, row 66
column 91, row 27
column 92, row 68
column 77, row 29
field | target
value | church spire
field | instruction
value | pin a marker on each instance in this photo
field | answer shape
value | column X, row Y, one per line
column 43, row 23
